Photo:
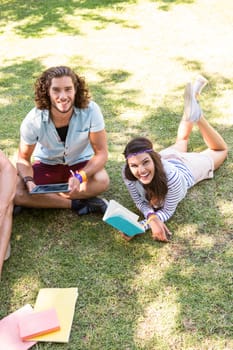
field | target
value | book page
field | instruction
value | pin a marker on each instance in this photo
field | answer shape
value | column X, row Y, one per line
column 115, row 208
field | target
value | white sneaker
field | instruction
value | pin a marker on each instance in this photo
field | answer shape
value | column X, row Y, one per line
column 192, row 109
column 199, row 84
column 8, row 252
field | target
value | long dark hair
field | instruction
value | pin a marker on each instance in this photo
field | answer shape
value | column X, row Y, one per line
column 43, row 83
column 157, row 189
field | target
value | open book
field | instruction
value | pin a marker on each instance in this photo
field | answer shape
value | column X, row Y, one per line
column 122, row 219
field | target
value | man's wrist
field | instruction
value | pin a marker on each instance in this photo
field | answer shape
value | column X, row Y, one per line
column 81, row 176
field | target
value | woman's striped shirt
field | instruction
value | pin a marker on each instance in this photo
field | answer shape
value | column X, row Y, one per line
column 179, row 180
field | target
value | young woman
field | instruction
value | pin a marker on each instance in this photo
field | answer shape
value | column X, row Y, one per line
column 157, row 182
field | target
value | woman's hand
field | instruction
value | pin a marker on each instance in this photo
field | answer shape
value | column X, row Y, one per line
column 160, row 232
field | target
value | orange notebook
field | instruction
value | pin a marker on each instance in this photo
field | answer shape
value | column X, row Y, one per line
column 38, row 323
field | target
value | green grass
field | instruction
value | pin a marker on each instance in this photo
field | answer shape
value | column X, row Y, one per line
column 137, row 57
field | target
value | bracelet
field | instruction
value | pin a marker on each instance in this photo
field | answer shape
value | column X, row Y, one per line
column 27, row 179
column 79, row 177
column 84, row 175
column 151, row 217
column 149, row 214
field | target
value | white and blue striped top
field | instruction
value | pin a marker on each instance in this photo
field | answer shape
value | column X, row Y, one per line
column 179, row 180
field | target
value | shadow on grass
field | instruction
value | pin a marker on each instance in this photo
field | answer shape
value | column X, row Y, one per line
column 165, row 5
column 118, row 281
column 16, row 89
column 36, row 17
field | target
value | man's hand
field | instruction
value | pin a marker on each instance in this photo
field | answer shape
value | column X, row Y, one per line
column 30, row 185
column 74, row 186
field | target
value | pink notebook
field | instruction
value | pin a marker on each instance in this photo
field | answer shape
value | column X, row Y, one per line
column 38, row 323
column 9, row 330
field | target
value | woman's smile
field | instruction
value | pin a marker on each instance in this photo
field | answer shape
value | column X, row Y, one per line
column 142, row 167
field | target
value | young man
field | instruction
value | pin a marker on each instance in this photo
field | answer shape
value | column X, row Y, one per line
column 7, row 193
column 65, row 134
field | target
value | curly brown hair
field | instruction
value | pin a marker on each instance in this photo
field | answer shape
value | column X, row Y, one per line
column 43, row 83
column 157, row 189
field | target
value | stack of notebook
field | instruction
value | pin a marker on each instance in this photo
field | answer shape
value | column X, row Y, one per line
column 50, row 320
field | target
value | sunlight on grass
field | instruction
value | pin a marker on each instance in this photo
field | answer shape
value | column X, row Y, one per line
column 4, row 101
column 7, row 142
column 226, row 210
column 188, row 229
column 149, row 273
column 158, row 319
column 224, row 105
column 23, row 287
column 187, row 271
column 225, row 207
column 146, row 52
column 132, row 115
column 204, row 241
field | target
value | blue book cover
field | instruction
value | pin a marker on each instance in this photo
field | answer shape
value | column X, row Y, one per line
column 122, row 219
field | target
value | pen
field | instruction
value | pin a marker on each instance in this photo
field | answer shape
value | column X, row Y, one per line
column 72, row 173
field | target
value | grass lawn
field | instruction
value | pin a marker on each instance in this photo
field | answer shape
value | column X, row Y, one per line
column 137, row 57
